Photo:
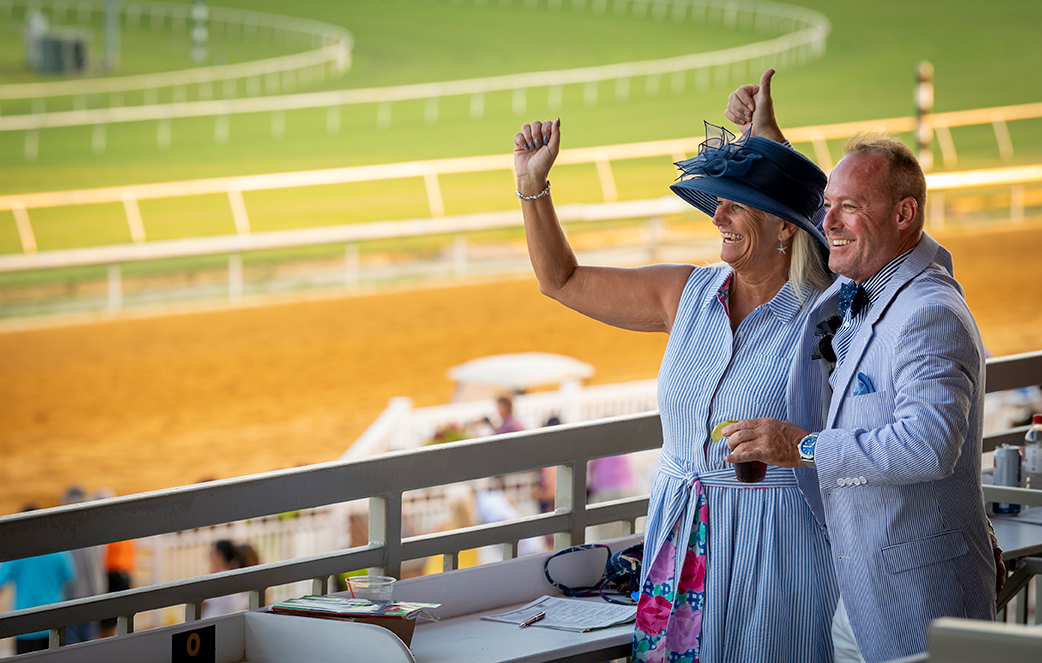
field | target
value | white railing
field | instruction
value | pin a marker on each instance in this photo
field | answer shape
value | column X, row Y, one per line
column 806, row 40
column 431, row 170
column 383, row 480
column 180, row 555
column 330, row 47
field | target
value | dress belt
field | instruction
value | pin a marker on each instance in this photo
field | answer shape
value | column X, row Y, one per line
column 670, row 465
column 687, row 494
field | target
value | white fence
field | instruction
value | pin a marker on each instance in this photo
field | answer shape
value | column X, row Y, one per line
column 180, row 555
column 805, row 34
column 329, row 48
column 383, row 480
column 429, row 171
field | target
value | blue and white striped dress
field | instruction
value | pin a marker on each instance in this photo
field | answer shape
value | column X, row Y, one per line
column 770, row 588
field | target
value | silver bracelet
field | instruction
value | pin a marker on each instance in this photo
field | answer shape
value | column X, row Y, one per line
column 542, row 194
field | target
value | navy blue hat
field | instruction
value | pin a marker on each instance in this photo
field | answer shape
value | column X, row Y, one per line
column 757, row 172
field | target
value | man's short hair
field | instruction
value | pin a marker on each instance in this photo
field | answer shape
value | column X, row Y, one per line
column 905, row 178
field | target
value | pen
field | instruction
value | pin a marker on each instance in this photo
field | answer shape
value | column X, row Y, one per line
column 532, row 620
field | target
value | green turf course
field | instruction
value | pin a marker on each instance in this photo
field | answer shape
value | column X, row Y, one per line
column 985, row 54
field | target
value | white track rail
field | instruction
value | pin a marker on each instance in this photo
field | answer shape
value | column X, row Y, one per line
column 804, row 38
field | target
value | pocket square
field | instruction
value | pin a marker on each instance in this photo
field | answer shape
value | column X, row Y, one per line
column 864, row 385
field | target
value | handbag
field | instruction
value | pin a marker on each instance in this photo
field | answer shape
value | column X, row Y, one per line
column 620, row 582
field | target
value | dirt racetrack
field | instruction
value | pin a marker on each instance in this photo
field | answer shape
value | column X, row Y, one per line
column 140, row 403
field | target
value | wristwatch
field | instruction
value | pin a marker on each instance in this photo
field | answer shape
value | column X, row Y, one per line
column 807, row 449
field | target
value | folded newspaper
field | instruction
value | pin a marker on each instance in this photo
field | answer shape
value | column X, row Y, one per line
column 343, row 607
column 573, row 615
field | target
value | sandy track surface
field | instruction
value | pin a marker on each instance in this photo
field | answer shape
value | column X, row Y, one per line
column 144, row 403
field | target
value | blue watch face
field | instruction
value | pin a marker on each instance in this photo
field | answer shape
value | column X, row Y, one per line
column 807, row 445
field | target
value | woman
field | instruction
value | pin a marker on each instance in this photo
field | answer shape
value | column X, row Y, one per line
column 768, row 591
column 226, row 556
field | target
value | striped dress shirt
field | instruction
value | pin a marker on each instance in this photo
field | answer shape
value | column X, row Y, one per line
column 852, row 323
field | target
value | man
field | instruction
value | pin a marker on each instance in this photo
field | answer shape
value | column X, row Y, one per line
column 508, row 423
column 37, row 581
column 887, row 441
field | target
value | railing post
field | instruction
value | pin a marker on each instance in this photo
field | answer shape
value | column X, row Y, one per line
column 385, row 529
column 56, row 638
column 235, row 277
column 115, row 288
column 333, row 120
column 319, row 586
column 570, row 498
column 25, row 227
column 477, row 106
column 1038, row 600
column 351, row 267
column 449, row 561
column 434, row 199
column 459, row 256
column 383, row 114
column 193, row 611
column 97, row 142
column 944, row 140
column 1016, row 203
column 998, row 123
column 134, row 222
column 821, row 150
column 125, row 624
column 239, row 214
column 257, row 598
column 607, row 179
column 937, row 210
column 518, row 101
column 510, row 550
column 655, row 224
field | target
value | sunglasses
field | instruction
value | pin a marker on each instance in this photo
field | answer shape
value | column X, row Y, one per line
column 825, row 331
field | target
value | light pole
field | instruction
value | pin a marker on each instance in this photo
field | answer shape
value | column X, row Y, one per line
column 923, row 107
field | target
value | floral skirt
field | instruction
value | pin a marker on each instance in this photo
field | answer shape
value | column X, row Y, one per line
column 669, row 612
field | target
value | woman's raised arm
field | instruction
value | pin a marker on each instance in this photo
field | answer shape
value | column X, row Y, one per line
column 642, row 299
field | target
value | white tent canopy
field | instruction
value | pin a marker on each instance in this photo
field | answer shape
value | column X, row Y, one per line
column 519, row 372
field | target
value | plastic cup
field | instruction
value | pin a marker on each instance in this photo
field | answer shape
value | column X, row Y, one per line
column 752, row 471
column 374, row 588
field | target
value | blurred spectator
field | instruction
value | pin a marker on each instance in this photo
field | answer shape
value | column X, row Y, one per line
column 90, row 576
column 37, row 581
column 608, row 479
column 462, row 513
column 226, row 556
column 118, row 561
column 492, row 506
column 543, row 489
column 119, row 566
column 508, row 423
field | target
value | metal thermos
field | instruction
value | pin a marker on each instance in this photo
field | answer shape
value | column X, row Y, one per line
column 1007, row 473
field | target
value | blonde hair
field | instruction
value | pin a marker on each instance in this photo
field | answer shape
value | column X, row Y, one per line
column 805, row 266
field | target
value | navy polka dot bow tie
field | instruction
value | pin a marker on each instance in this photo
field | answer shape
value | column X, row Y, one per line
column 851, row 296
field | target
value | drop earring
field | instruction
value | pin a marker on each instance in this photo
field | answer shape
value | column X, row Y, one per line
column 781, row 246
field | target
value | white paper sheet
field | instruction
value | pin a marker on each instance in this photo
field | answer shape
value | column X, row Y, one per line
column 565, row 614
